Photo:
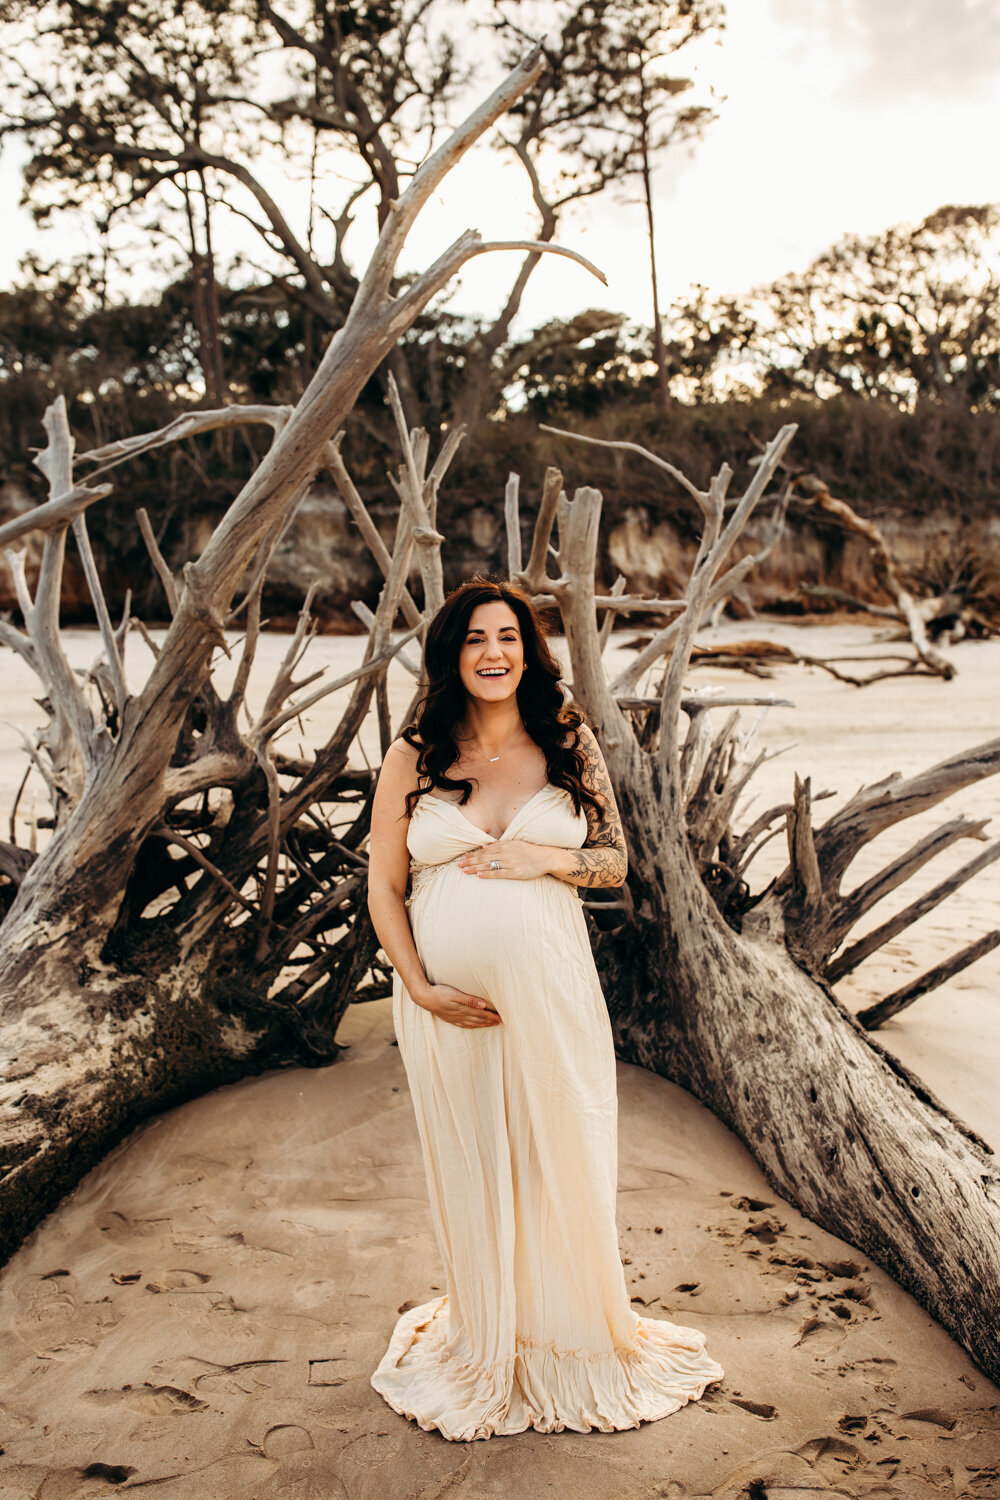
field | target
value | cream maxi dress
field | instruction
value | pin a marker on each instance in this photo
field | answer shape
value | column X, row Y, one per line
column 518, row 1129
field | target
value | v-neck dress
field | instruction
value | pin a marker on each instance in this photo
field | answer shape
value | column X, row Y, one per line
column 518, row 1126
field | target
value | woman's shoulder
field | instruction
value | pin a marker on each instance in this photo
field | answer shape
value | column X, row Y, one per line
column 397, row 778
column 399, row 764
column 580, row 735
column 401, row 748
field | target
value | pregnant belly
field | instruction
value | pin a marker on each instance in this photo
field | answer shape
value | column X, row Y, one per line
column 488, row 937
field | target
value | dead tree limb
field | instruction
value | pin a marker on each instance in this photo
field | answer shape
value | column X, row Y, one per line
column 199, row 912
column 727, row 994
column 912, row 612
column 874, row 1015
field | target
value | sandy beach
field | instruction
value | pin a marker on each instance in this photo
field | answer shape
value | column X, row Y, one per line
column 200, row 1316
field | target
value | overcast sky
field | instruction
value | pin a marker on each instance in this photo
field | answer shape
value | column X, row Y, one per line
column 837, row 116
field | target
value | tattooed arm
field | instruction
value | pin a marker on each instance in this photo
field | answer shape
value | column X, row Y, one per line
column 603, row 860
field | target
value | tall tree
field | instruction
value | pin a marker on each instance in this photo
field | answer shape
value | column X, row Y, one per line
column 656, row 123
column 166, row 115
column 594, row 120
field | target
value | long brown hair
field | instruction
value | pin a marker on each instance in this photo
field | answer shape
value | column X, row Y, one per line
column 544, row 712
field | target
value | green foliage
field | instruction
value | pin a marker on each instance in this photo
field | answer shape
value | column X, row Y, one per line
column 157, row 120
column 127, row 368
column 907, row 315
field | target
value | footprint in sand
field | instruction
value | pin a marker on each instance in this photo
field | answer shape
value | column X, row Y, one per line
column 150, row 1400
column 192, row 1240
column 822, row 1451
column 764, row 1231
column 927, row 1419
column 239, row 1378
column 53, row 1323
column 330, row 1372
column 835, row 1284
column 300, row 1488
column 847, row 1269
column 874, row 1370
column 286, row 1438
column 819, row 1336
column 363, row 1463
column 344, row 1358
column 179, row 1280
column 751, row 1205
column 122, row 1229
column 241, row 1473
column 756, row 1408
column 47, row 1301
column 781, row 1475
column 80, row 1484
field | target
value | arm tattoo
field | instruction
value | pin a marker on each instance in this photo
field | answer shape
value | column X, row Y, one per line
column 603, row 860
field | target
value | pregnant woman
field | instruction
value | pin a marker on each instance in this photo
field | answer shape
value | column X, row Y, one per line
column 497, row 805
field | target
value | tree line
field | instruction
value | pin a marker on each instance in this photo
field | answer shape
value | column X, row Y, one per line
column 897, row 401
column 156, row 122
column 164, row 122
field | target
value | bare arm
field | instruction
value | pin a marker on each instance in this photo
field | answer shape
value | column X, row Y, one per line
column 389, row 869
column 388, row 872
column 603, row 860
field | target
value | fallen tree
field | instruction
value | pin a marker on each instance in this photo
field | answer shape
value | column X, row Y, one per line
column 943, row 616
column 730, row 995
column 199, row 912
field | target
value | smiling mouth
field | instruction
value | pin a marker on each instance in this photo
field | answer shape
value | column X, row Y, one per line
column 493, row 672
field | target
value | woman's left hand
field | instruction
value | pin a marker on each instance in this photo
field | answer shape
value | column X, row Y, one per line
column 519, row 860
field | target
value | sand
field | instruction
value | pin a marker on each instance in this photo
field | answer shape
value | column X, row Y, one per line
column 200, row 1316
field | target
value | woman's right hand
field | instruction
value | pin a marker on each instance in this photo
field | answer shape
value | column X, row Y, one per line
column 457, row 1007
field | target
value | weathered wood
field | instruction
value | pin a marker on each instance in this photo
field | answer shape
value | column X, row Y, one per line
column 846, row 962
column 158, row 560
column 874, row 1015
column 359, row 515
column 821, row 928
column 195, row 917
column 839, row 1126
column 199, row 912
column 815, row 491
column 512, row 524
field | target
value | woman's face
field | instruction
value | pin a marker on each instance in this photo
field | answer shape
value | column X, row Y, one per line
column 491, row 660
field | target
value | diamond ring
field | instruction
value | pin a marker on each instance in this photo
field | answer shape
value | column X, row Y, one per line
column 494, row 864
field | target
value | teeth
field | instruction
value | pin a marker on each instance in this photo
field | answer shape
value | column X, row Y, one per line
column 492, row 672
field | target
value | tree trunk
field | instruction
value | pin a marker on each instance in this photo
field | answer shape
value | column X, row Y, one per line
column 659, row 354
column 726, row 996
column 839, row 1126
column 199, row 913
column 195, row 917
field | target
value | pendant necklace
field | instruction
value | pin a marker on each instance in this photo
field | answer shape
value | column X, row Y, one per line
column 510, row 742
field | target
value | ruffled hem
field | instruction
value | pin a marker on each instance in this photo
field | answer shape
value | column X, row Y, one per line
column 538, row 1385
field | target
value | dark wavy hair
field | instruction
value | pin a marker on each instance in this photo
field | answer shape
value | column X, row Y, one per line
column 545, row 713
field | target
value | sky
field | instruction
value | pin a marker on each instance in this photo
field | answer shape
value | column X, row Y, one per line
column 834, row 116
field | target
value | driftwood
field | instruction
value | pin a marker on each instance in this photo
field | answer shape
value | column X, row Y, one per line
column 199, row 911
column 917, row 616
column 944, row 616
column 757, row 658
column 914, row 613
column 729, row 995
column 241, row 948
